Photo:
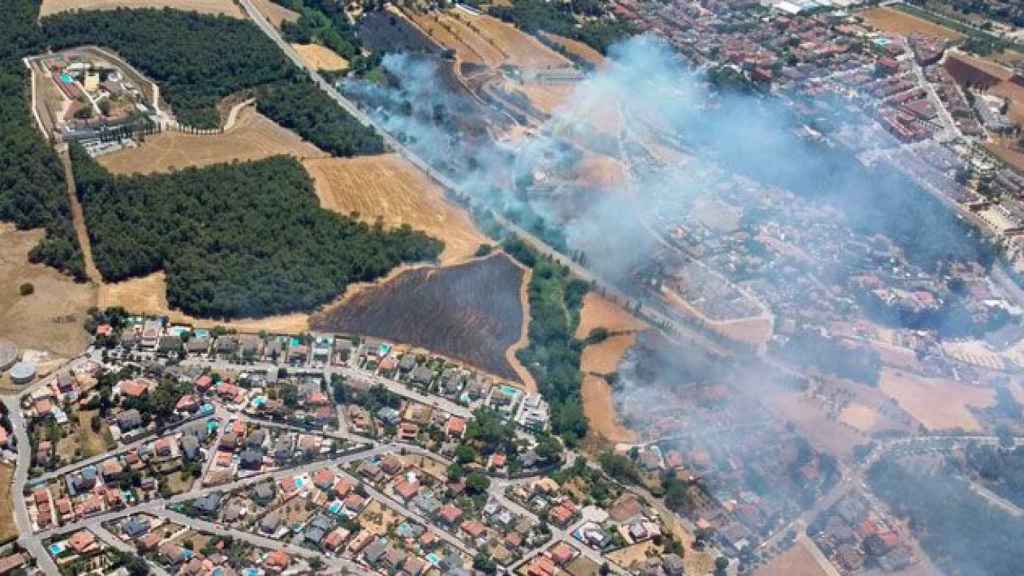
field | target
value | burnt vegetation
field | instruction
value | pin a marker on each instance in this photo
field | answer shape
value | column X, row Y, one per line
column 470, row 312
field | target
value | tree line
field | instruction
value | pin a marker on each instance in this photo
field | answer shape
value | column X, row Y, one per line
column 240, row 239
column 32, row 187
column 552, row 354
column 533, row 16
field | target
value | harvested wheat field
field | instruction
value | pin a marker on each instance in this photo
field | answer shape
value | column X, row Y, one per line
column 50, row 318
column 597, row 171
column 253, row 137
column 600, row 312
column 434, row 26
column 937, row 403
column 599, row 408
column 519, row 49
column 148, row 295
column 576, row 48
column 225, row 7
column 860, row 416
column 604, row 357
column 471, row 312
column 320, row 57
column 489, row 51
column 755, row 331
column 275, row 13
column 797, row 561
column 389, row 187
column 892, row 21
column 547, row 98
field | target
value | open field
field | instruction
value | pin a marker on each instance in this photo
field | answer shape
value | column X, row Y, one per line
column 597, row 171
column 937, row 403
column 599, row 408
column 275, row 13
column 438, row 30
column 547, row 98
column 49, row 319
column 600, row 312
column 1007, row 151
column 253, row 137
column 471, row 312
column 893, row 21
column 488, row 51
column 524, row 336
column 756, row 331
column 93, row 443
column 797, row 561
column 320, row 57
column 520, row 49
column 390, row 188
column 860, row 416
column 576, row 48
column 604, row 357
column 8, row 529
column 148, row 295
column 812, row 421
column 226, row 7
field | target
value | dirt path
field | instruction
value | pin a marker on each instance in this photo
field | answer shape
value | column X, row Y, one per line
column 524, row 338
column 78, row 218
column 233, row 114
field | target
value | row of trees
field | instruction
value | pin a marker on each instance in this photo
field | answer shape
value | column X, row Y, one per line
column 32, row 187
column 299, row 105
column 197, row 59
column 242, row 239
column 553, row 353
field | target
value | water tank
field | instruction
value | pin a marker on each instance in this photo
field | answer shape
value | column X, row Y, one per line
column 23, row 372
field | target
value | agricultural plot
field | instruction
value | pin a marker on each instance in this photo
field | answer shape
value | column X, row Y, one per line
column 387, row 187
column 471, row 312
column 894, row 21
column 388, row 30
column 797, row 561
column 937, row 403
column 599, row 408
column 51, row 317
column 225, row 7
column 275, row 13
column 433, row 26
column 491, row 54
column 253, row 137
column 320, row 57
column 600, row 312
column 576, row 48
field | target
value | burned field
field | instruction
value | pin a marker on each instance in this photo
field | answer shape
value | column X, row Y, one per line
column 471, row 312
column 385, row 30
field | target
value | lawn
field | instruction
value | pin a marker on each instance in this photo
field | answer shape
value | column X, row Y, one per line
column 92, row 442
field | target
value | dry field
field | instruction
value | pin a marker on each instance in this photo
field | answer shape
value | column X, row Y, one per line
column 576, row 48
column 390, row 188
column 893, row 21
column 471, row 312
column 756, row 331
column 275, row 13
column 520, row 49
column 599, row 408
column 604, row 357
column 811, row 419
column 148, row 295
column 524, row 336
column 1008, row 152
column 51, row 318
column 797, row 561
column 253, row 137
column 8, row 529
column 599, row 312
column 488, row 52
column 937, row 403
column 547, row 98
column 226, row 7
column 597, row 171
column 320, row 57
column 974, row 352
column 431, row 26
column 860, row 416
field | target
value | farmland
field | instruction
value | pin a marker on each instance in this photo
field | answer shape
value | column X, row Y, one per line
column 225, row 7
column 253, row 137
column 895, row 22
column 275, row 13
column 599, row 408
column 600, row 312
column 797, row 561
column 320, row 57
column 389, row 188
column 938, row 404
column 51, row 317
column 576, row 48
column 471, row 312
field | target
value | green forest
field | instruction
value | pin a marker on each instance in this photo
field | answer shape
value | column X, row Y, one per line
column 958, row 529
column 241, row 239
column 553, row 353
column 32, row 188
column 322, row 23
column 196, row 59
column 300, row 106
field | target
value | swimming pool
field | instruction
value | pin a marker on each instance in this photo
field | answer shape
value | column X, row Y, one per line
column 57, row 548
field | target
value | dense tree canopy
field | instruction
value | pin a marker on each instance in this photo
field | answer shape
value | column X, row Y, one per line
column 238, row 239
column 32, row 189
column 560, row 18
column 196, row 59
column 300, row 106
